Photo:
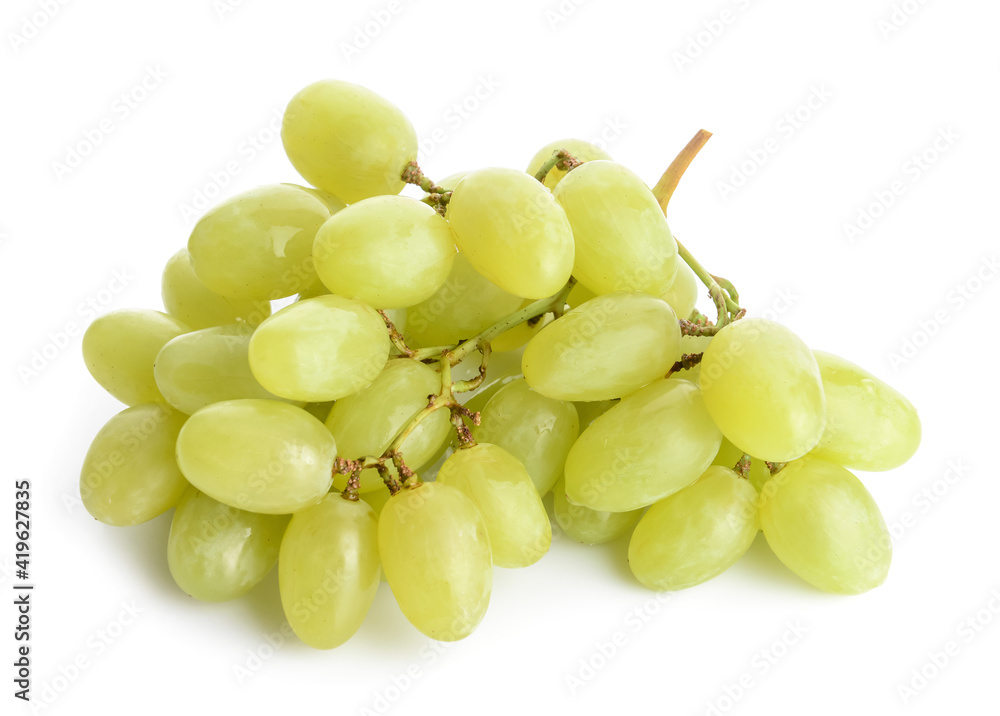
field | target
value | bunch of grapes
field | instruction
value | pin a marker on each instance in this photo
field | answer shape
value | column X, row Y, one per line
column 526, row 332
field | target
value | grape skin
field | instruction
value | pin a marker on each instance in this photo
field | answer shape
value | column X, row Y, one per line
column 588, row 353
column 512, row 231
column 653, row 443
column 319, row 349
column 824, row 525
column 257, row 455
column 216, row 552
column 763, row 388
column 696, row 533
column 436, row 554
column 129, row 475
column 347, row 140
column 120, row 349
column 496, row 481
column 328, row 570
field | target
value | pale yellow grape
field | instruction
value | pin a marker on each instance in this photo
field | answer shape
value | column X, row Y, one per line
column 188, row 300
column 537, row 430
column 869, row 425
column 348, row 140
column 216, row 552
column 320, row 411
column 589, row 411
column 367, row 422
column 328, row 571
column 623, row 242
column 763, row 388
column 257, row 455
column 824, row 525
column 695, row 534
column 683, row 292
column 436, row 555
column 580, row 149
column 320, row 349
column 258, row 244
column 586, row 525
column 120, row 349
column 465, row 304
column 377, row 499
column 606, row 348
column 579, row 295
column 388, row 251
column 207, row 366
column 519, row 528
column 312, row 291
column 655, row 442
column 516, row 337
column 512, row 231
column 129, row 475
column 729, row 455
column 329, row 200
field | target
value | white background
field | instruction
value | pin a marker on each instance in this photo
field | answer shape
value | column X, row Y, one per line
column 542, row 71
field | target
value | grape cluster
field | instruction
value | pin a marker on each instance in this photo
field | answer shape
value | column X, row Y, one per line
column 526, row 332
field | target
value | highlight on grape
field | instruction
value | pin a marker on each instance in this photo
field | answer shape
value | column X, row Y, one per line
column 511, row 333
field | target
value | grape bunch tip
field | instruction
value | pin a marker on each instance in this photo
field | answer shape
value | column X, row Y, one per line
column 519, row 333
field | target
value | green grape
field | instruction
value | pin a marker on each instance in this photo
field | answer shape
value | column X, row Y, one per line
column 623, row 242
column 821, row 522
column 312, row 291
column 367, row 422
column 496, row 481
column 186, row 299
column 347, row 140
column 536, row 430
column 320, row 411
column 436, row 554
column 257, row 455
column 504, row 368
column 692, row 345
column 328, row 571
column 589, row 411
column 512, row 231
column 695, row 534
column 466, row 304
column 762, row 387
column 388, row 251
column 586, row 525
column 729, row 455
column 329, row 200
column 606, row 348
column 581, row 150
column 207, row 366
column 683, row 292
column 869, row 425
column 217, row 552
column 130, row 475
column 519, row 335
column 376, row 499
column 579, row 295
column 258, row 244
column 319, row 349
column 451, row 181
column 655, row 442
column 120, row 349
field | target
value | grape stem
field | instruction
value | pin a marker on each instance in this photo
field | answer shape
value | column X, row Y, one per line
column 722, row 292
column 437, row 196
column 561, row 160
column 742, row 467
column 687, row 362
